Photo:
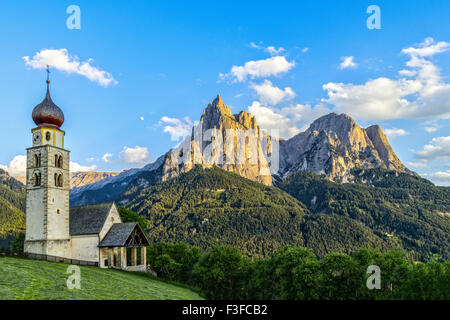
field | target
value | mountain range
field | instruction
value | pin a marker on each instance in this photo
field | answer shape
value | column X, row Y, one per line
column 333, row 144
column 82, row 178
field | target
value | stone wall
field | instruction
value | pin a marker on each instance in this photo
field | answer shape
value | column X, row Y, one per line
column 85, row 248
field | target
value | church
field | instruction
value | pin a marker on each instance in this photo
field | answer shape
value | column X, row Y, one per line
column 89, row 235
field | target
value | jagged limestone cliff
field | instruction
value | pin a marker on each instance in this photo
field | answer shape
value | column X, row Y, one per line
column 333, row 145
column 233, row 142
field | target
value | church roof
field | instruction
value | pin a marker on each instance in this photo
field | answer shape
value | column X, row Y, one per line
column 88, row 219
column 128, row 234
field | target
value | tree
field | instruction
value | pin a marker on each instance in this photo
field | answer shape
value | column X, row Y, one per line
column 180, row 257
column 18, row 243
column 130, row 216
column 289, row 270
column 222, row 273
column 339, row 277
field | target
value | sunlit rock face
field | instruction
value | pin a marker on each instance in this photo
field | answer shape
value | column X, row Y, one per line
column 233, row 142
column 333, row 145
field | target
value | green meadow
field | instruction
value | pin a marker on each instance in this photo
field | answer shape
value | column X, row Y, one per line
column 25, row 279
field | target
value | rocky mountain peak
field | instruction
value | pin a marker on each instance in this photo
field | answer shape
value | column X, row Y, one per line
column 333, row 121
column 218, row 102
column 215, row 113
column 384, row 149
column 229, row 149
column 334, row 144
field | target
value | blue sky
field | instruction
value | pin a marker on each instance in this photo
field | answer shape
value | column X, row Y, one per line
column 164, row 61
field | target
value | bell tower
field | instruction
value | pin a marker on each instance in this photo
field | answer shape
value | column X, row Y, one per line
column 48, row 183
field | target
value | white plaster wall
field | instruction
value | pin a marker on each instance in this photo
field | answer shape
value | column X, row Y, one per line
column 113, row 217
column 85, row 248
column 57, row 138
column 59, row 248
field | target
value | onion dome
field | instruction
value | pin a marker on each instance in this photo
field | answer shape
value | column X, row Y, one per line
column 47, row 113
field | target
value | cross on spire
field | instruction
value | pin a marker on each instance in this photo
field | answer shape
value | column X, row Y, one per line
column 48, row 74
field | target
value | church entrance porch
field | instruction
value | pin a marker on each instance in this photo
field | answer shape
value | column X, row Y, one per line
column 124, row 247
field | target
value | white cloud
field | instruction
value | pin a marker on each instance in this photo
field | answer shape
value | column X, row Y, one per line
column 177, row 128
column 394, row 132
column 259, row 69
column 304, row 50
column 60, row 59
column 75, row 167
column 17, row 166
column 378, row 99
column 289, row 120
column 439, row 177
column 271, row 95
column 438, row 147
column 427, row 48
column 432, row 128
column 421, row 164
column 425, row 96
column 107, row 157
column 142, row 118
column 256, row 46
column 273, row 51
column 347, row 62
column 407, row 73
column 138, row 155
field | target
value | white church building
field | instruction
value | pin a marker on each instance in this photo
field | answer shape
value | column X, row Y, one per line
column 90, row 235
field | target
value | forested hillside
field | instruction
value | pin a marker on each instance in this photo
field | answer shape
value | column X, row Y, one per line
column 205, row 207
column 12, row 208
column 405, row 208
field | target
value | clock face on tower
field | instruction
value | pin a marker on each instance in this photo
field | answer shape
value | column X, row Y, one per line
column 37, row 138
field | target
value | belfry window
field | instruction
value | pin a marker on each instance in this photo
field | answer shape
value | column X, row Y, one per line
column 58, row 161
column 37, row 160
column 37, row 179
column 58, row 180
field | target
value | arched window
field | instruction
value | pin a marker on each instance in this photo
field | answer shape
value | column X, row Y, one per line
column 37, row 179
column 58, row 180
column 58, row 161
column 37, row 160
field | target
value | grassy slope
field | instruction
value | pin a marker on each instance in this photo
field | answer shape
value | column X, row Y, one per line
column 24, row 279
